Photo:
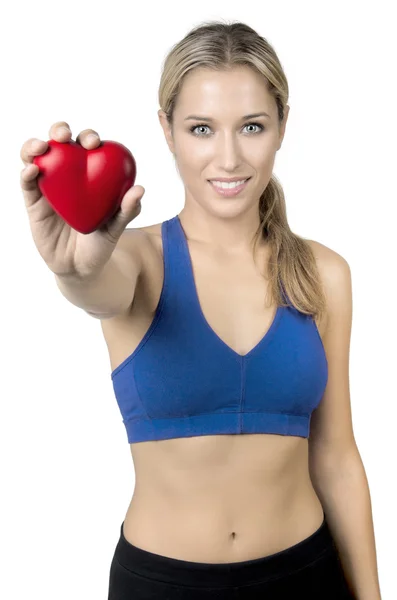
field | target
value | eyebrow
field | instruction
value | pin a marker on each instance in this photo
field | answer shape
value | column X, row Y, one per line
column 198, row 118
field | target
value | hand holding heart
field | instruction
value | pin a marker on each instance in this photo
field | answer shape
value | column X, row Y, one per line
column 79, row 197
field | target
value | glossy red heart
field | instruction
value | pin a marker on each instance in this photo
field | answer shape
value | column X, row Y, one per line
column 85, row 187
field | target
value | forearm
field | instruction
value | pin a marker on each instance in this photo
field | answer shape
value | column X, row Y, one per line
column 345, row 497
column 106, row 293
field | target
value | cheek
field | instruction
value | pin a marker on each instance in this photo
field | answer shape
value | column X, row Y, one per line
column 196, row 151
column 261, row 157
column 194, row 158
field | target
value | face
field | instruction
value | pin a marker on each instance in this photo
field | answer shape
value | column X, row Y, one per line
column 228, row 145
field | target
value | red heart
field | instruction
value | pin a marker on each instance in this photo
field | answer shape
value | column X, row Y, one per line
column 85, row 187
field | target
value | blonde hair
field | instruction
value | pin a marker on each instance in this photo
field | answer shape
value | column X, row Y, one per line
column 221, row 46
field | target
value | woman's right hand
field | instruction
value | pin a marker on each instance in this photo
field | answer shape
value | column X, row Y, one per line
column 66, row 251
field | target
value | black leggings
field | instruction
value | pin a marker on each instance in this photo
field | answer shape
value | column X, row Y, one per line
column 310, row 569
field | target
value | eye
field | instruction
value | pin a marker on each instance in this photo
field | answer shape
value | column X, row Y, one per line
column 192, row 129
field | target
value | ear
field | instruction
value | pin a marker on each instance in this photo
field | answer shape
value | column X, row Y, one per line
column 167, row 130
column 283, row 125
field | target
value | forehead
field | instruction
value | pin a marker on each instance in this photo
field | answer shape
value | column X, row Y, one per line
column 241, row 89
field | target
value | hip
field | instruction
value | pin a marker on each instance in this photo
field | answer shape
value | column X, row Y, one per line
column 310, row 568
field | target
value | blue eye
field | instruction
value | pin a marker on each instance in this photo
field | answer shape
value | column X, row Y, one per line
column 192, row 129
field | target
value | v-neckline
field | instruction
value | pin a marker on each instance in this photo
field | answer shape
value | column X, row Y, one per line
column 266, row 337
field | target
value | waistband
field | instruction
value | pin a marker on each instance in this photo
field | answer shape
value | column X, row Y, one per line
column 259, row 570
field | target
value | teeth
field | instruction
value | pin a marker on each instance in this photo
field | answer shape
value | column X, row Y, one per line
column 226, row 185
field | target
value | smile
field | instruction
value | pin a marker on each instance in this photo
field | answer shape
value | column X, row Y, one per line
column 229, row 189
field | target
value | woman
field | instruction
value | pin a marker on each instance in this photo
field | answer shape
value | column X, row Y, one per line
column 236, row 410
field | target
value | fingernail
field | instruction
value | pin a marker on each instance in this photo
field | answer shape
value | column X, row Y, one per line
column 91, row 137
column 63, row 130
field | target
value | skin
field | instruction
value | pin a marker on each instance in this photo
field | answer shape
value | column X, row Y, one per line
column 217, row 498
column 226, row 147
column 34, row 147
column 67, row 252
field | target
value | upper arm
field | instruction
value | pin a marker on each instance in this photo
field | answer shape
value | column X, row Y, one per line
column 331, row 429
column 128, row 255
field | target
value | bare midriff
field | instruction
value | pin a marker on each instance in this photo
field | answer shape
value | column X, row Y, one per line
column 221, row 498
column 213, row 498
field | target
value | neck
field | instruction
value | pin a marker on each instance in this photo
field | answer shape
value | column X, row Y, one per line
column 235, row 236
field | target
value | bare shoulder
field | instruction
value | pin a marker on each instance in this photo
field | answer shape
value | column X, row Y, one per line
column 150, row 232
column 334, row 274
column 330, row 263
column 154, row 229
column 133, row 234
column 138, row 238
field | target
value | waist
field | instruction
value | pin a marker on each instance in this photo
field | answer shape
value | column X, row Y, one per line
column 238, row 529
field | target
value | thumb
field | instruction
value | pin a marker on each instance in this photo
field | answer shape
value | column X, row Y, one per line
column 129, row 208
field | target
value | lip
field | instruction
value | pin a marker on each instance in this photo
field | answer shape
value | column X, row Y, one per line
column 228, row 179
column 229, row 192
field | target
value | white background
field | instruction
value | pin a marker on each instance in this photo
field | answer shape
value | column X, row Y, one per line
column 66, row 471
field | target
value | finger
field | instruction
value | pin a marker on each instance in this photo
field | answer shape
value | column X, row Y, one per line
column 60, row 132
column 28, row 182
column 88, row 138
column 32, row 148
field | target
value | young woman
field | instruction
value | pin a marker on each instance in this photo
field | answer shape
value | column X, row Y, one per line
column 228, row 337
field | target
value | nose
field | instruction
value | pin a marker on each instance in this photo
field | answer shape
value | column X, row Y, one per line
column 228, row 153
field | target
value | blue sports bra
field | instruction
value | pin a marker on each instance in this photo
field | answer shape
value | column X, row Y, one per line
column 182, row 380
